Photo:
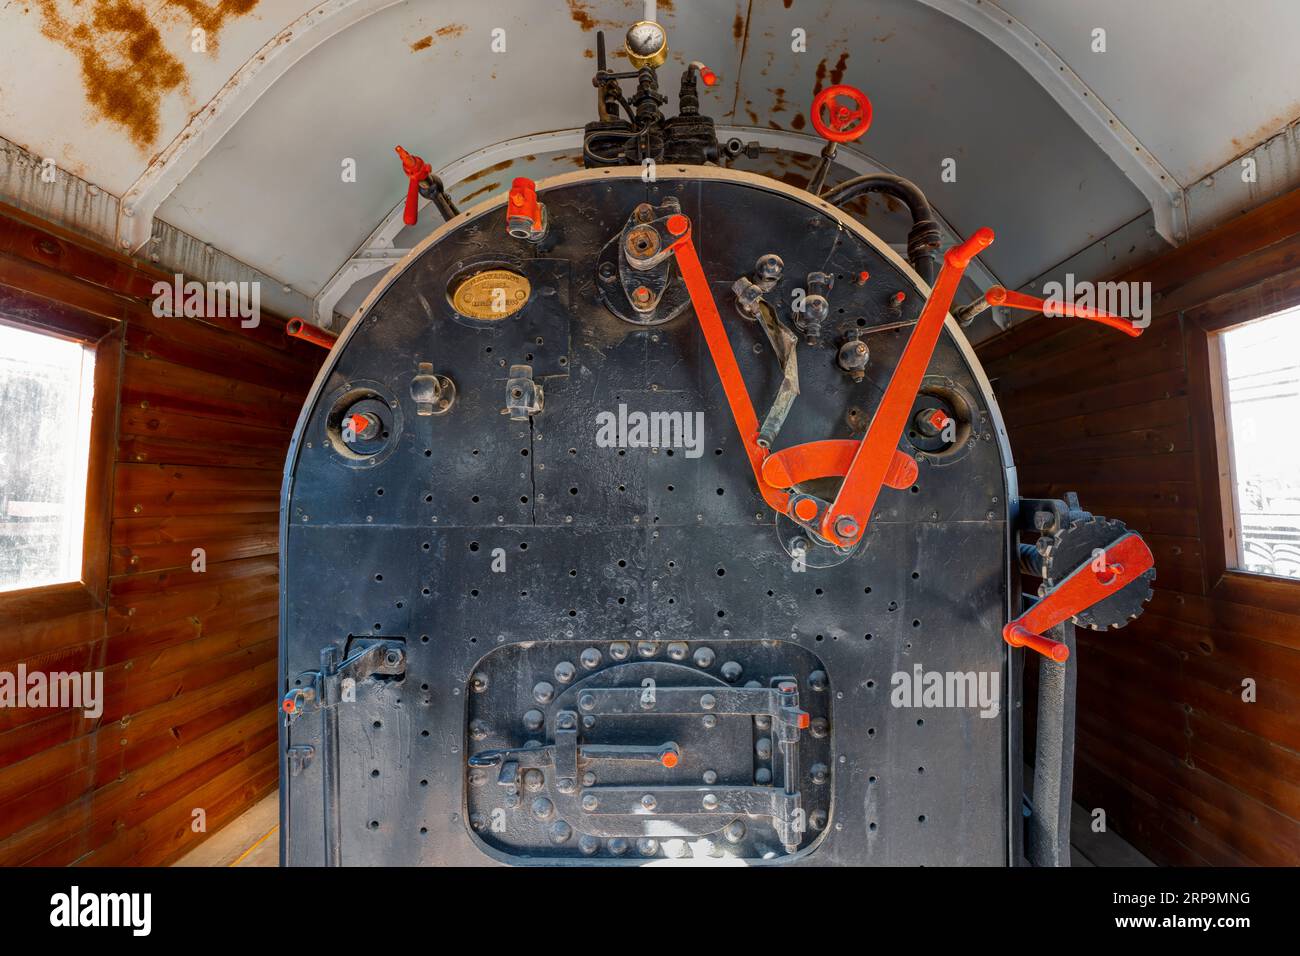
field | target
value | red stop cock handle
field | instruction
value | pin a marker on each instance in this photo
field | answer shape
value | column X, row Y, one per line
column 415, row 169
column 847, row 123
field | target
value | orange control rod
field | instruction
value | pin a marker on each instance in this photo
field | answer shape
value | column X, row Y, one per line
column 298, row 329
column 846, row 519
column 733, row 385
column 997, row 295
column 1123, row 562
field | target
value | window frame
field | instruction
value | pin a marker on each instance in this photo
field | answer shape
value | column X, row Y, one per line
column 1202, row 326
column 40, row 299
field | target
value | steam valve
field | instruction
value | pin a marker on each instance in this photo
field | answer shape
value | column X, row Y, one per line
column 853, row 357
column 525, row 216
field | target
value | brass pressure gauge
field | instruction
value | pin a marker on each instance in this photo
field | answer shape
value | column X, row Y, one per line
column 646, row 44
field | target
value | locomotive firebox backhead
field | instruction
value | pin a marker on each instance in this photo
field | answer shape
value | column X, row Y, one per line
column 669, row 515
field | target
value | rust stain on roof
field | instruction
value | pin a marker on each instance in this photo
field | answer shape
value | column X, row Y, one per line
column 125, row 67
column 581, row 14
column 212, row 18
column 738, row 27
column 836, row 73
column 495, row 168
column 450, row 30
column 481, row 191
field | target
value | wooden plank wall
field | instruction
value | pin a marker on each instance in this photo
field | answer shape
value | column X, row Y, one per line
column 1186, row 770
column 189, row 659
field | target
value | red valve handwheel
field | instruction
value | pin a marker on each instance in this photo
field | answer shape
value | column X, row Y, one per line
column 846, row 123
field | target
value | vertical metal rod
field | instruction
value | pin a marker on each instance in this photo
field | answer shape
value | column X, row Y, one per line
column 329, row 740
column 1048, row 842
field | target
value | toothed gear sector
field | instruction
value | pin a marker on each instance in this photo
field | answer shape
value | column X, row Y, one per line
column 1073, row 546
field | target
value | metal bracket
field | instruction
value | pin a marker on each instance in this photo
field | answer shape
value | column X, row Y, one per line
column 1164, row 193
column 524, row 397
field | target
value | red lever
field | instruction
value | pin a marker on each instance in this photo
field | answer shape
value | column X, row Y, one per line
column 1123, row 562
column 846, row 519
column 997, row 295
column 829, row 458
column 416, row 169
column 715, row 336
column 842, row 124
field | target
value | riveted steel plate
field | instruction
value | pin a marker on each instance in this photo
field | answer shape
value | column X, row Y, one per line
column 499, row 549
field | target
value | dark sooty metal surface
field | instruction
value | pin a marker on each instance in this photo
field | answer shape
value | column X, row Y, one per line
column 607, row 544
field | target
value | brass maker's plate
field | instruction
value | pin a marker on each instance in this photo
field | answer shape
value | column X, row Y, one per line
column 491, row 295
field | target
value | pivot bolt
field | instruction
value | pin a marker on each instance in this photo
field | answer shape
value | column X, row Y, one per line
column 846, row 527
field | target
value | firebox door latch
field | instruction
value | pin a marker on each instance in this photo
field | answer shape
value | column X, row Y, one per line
column 608, row 811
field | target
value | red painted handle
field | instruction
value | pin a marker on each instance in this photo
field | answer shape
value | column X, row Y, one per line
column 724, row 359
column 846, row 519
column 997, row 295
column 415, row 169
column 1122, row 563
column 298, row 329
